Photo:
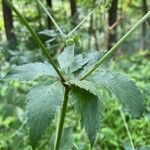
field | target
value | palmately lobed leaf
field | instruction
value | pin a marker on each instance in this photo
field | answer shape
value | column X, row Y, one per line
column 43, row 101
column 123, row 88
column 30, row 71
column 88, row 106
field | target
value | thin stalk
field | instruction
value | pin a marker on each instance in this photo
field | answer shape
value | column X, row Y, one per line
column 78, row 26
column 62, row 119
column 50, row 16
column 36, row 38
column 127, row 128
column 115, row 47
column 73, row 30
column 18, row 130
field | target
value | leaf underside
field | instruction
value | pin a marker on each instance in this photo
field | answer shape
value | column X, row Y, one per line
column 30, row 71
column 66, row 58
column 89, row 107
column 78, row 62
column 43, row 101
column 123, row 88
column 90, row 59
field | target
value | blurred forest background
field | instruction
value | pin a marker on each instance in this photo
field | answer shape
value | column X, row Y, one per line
column 99, row 31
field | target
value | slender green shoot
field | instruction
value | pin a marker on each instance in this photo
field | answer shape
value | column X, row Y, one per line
column 127, row 128
column 36, row 38
column 73, row 30
column 50, row 16
column 18, row 130
column 115, row 47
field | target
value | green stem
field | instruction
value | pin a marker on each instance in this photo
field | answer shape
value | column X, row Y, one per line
column 50, row 16
column 115, row 47
column 62, row 119
column 36, row 38
column 127, row 128
column 73, row 30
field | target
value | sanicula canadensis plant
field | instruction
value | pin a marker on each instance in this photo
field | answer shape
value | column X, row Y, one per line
column 77, row 78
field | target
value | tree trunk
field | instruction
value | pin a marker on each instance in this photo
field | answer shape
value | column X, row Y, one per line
column 8, row 22
column 112, row 36
column 49, row 22
column 73, row 8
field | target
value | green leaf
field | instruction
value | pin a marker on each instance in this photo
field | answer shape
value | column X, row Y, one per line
column 78, row 63
column 30, row 71
column 66, row 139
column 43, row 101
column 66, row 58
column 89, row 107
column 87, row 85
column 94, row 56
column 123, row 88
column 91, row 58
